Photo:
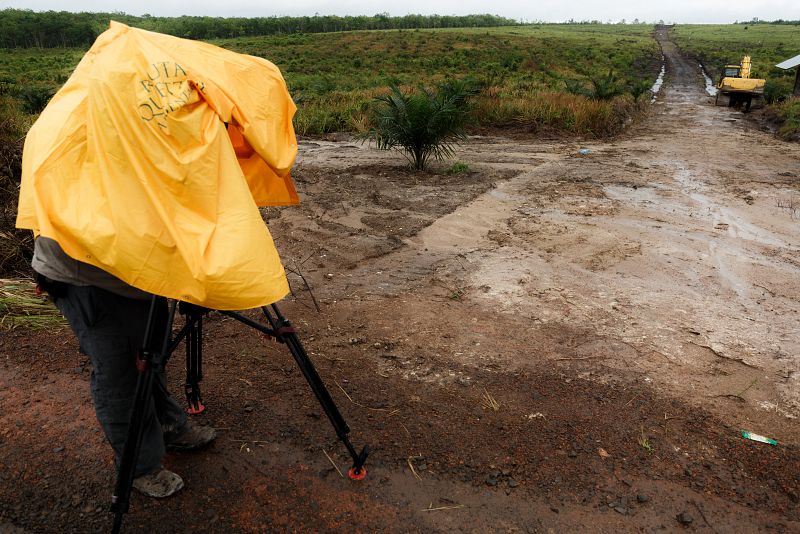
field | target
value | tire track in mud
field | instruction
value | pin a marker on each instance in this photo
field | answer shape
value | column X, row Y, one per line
column 647, row 242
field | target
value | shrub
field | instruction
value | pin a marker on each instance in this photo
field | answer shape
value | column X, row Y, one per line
column 576, row 87
column 789, row 114
column 35, row 98
column 511, row 61
column 16, row 246
column 777, row 90
column 424, row 123
column 560, row 113
column 606, row 87
column 324, row 85
column 603, row 87
column 639, row 88
column 7, row 86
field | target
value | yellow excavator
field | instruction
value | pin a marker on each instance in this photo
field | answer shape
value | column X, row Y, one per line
column 737, row 88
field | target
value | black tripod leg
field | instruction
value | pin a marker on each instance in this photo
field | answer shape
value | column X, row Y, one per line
column 150, row 360
column 194, row 364
column 285, row 333
column 281, row 330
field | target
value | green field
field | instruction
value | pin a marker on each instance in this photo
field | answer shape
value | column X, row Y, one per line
column 38, row 66
column 523, row 70
column 526, row 73
column 335, row 76
column 527, row 57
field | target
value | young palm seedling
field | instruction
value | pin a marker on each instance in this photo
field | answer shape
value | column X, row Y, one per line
column 423, row 124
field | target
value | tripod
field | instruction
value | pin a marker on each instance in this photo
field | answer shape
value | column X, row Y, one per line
column 152, row 359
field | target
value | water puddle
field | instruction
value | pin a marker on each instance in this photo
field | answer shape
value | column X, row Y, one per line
column 660, row 80
column 711, row 89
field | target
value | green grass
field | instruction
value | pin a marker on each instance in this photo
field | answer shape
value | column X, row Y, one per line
column 458, row 167
column 535, row 56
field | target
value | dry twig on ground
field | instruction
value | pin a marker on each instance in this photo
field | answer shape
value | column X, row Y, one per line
column 333, row 463
column 411, row 466
column 489, row 401
column 299, row 273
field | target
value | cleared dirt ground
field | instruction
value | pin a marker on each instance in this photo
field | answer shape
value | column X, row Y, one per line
column 630, row 311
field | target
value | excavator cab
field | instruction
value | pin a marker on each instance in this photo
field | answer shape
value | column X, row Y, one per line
column 731, row 71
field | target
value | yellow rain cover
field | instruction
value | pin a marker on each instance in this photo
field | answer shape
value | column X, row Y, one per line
column 131, row 168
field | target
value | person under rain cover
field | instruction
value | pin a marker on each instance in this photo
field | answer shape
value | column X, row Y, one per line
column 143, row 176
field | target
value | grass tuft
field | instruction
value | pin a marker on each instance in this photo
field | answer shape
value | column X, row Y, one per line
column 644, row 441
column 459, row 167
column 20, row 307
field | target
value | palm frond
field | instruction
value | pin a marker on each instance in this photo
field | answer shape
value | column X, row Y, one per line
column 424, row 123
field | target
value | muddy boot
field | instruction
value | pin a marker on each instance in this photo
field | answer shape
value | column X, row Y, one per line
column 159, row 484
column 190, row 437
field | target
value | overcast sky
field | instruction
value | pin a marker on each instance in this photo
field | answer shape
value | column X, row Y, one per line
column 681, row 11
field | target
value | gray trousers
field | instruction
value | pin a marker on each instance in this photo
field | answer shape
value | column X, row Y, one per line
column 110, row 330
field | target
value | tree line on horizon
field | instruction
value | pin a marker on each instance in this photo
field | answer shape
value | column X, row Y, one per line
column 24, row 28
column 756, row 20
column 50, row 29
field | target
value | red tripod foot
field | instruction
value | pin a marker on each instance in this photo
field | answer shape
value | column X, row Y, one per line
column 357, row 476
column 195, row 409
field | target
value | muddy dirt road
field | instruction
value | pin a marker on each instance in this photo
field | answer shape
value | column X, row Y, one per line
column 551, row 342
